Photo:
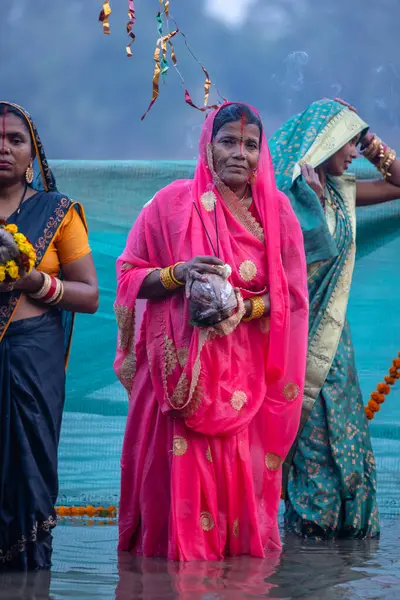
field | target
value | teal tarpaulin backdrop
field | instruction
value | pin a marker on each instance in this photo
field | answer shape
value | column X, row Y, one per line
column 113, row 194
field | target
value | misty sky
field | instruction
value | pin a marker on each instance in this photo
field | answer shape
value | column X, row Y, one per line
column 279, row 55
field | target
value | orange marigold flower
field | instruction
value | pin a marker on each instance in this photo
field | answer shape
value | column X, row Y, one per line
column 396, row 363
column 369, row 414
column 383, row 388
column 374, row 406
column 11, row 228
column 90, row 511
column 390, row 380
column 376, row 397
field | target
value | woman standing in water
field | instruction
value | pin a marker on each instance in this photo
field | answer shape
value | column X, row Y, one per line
column 36, row 318
column 330, row 479
column 214, row 410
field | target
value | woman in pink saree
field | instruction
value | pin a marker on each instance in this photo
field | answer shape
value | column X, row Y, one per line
column 213, row 410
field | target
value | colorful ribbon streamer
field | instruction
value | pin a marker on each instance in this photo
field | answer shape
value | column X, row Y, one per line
column 160, row 56
column 129, row 26
column 161, row 43
column 104, row 15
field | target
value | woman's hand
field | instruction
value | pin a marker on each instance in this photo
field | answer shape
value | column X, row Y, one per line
column 367, row 139
column 26, row 283
column 312, row 179
column 197, row 267
column 349, row 106
column 29, row 283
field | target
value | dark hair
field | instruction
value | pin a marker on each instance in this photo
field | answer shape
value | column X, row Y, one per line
column 233, row 113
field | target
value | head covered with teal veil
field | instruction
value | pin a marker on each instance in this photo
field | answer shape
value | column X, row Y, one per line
column 312, row 137
column 43, row 178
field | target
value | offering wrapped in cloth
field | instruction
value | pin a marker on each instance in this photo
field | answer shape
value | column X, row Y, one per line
column 212, row 300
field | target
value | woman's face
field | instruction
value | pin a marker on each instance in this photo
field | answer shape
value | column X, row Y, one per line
column 236, row 149
column 15, row 148
column 339, row 162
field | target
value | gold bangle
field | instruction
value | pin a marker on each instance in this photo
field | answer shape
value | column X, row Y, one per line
column 257, row 309
column 387, row 161
column 374, row 147
column 172, row 274
column 167, row 281
column 41, row 293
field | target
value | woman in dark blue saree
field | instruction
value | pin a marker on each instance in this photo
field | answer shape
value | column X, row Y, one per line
column 35, row 335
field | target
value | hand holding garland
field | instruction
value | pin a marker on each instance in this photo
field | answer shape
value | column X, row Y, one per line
column 77, row 292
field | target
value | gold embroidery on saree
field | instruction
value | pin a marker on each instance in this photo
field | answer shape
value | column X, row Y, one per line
column 181, row 391
column 171, row 359
column 182, row 354
column 209, row 455
column 195, row 403
column 179, row 446
column 273, row 462
column 206, row 521
column 238, row 400
column 247, row 270
column 124, row 321
column 291, row 391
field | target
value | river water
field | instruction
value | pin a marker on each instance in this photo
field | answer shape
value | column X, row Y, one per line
column 87, row 566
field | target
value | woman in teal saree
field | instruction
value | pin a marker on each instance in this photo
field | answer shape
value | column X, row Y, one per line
column 329, row 475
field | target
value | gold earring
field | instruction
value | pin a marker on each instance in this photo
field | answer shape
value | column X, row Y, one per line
column 29, row 174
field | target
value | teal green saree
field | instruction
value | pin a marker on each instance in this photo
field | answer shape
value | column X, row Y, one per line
column 329, row 475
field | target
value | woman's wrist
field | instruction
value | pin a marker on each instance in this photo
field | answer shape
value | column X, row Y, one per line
column 379, row 154
column 170, row 278
column 31, row 283
column 179, row 272
column 256, row 307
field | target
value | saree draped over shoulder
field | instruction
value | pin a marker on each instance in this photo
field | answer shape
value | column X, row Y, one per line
column 212, row 411
column 33, row 355
column 329, row 475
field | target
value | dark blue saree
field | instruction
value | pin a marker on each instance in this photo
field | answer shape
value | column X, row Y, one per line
column 33, row 354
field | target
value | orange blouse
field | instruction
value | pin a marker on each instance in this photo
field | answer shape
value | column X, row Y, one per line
column 69, row 243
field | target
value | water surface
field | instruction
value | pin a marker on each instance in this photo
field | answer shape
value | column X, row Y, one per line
column 87, row 566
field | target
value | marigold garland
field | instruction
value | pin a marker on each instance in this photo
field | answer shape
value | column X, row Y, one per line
column 12, row 270
column 86, row 511
column 378, row 397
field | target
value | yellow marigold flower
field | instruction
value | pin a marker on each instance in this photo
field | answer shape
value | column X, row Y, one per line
column 12, row 269
column 2, row 273
column 11, row 228
column 19, row 238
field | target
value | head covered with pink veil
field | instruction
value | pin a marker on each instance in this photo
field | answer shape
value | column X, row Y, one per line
column 213, row 410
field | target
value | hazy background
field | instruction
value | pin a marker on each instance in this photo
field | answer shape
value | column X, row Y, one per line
column 87, row 97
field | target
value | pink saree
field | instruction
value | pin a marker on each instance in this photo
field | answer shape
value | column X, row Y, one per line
column 214, row 411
